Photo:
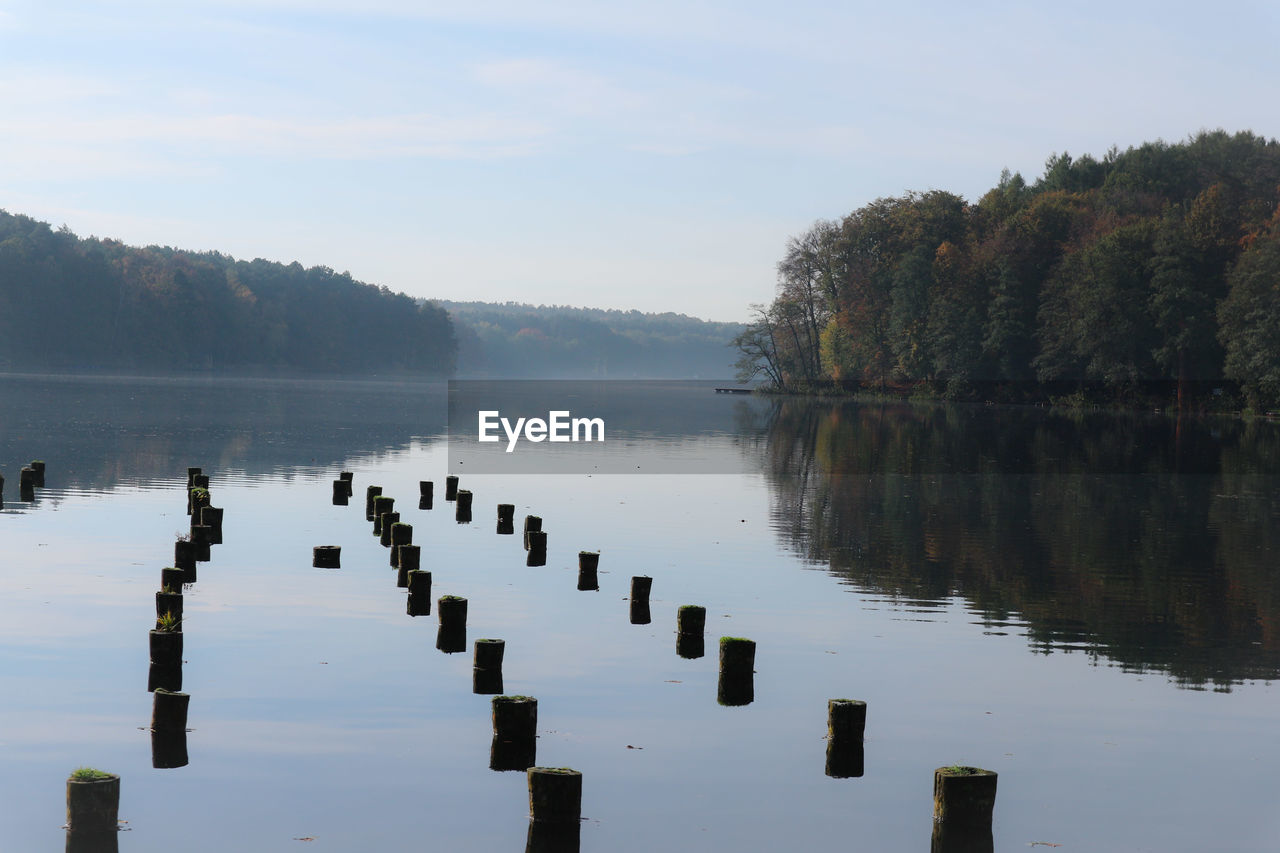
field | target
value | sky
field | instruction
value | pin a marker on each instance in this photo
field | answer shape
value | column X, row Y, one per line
column 652, row 155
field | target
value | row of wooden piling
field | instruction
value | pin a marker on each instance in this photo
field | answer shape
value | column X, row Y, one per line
column 963, row 796
column 30, row 478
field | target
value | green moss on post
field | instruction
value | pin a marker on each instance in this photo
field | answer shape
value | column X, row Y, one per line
column 737, row 655
column 381, row 504
column 401, row 534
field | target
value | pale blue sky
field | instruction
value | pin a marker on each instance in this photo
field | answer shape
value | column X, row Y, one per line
column 642, row 155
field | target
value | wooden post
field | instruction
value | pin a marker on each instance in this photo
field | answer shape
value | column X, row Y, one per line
column 191, row 477
column 37, row 465
column 535, row 540
column 211, row 517
column 326, row 556
column 387, row 519
column 488, row 653
column 184, row 557
column 169, row 602
column 964, row 796
column 536, row 557
column 381, row 504
column 164, row 677
column 349, row 478
column 169, row 710
column 515, row 718
column 587, row 563
column 27, row 479
column 419, row 585
column 93, row 802
column 401, row 534
column 846, row 719
column 426, row 489
column 487, row 682
column 341, row 492
column 691, row 619
column 531, row 524
column 370, row 493
column 166, row 647
column 172, row 579
column 736, row 685
column 640, row 614
column 555, row 795
column 640, row 586
column 450, row 488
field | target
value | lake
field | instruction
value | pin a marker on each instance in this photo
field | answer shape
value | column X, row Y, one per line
column 1086, row 603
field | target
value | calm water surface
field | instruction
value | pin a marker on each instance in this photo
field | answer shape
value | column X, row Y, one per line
column 1086, row 605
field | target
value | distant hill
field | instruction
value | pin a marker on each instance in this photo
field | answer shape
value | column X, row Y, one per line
column 514, row 340
column 88, row 304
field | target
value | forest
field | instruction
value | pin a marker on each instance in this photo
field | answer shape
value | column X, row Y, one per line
column 73, row 304
column 515, row 340
column 1151, row 275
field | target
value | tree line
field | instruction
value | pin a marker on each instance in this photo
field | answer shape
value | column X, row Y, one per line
column 1149, row 274
column 68, row 303
column 517, row 340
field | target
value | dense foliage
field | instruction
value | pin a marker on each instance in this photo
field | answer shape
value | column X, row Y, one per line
column 1152, row 272
column 514, row 340
column 89, row 304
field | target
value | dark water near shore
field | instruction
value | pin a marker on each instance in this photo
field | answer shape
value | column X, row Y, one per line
column 1086, row 604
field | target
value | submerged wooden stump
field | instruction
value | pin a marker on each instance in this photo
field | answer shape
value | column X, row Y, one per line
column 964, row 796
column 532, row 523
column 846, row 719
column 555, row 795
column 691, row 619
column 426, row 489
column 382, row 504
column 536, row 557
column 535, row 540
column 370, row 493
column 488, row 653
column 462, row 514
column 341, row 492
column 401, row 534
column 737, row 655
column 640, row 586
column 507, row 513
column 169, row 710
column 451, row 639
column 93, row 803
column 211, row 517
column 169, row 604
column 326, row 556
column 172, row 579
column 389, row 520
column 588, row 560
column 546, row 837
column 184, row 557
column 165, row 647
column 515, row 718
column 587, row 580
column 37, row 465
column 419, row 600
column 450, row 488
column 463, row 499
column 27, row 479
column 736, row 688
column 348, row 477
